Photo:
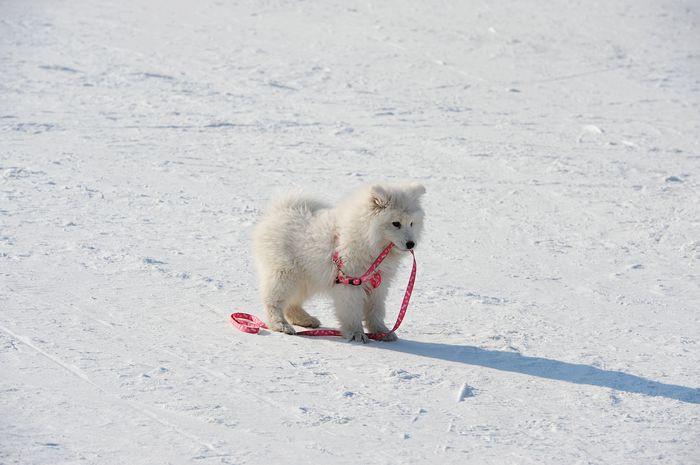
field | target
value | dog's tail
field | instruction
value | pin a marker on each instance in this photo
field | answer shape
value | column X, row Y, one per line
column 295, row 201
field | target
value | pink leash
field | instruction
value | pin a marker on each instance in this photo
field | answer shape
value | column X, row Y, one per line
column 251, row 324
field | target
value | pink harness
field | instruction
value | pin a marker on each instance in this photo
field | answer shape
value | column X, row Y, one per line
column 251, row 324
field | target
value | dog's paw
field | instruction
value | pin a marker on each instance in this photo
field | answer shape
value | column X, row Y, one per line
column 282, row 327
column 310, row 322
column 381, row 329
column 359, row 336
column 296, row 315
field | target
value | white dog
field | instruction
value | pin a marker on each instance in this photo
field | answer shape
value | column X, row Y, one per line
column 294, row 244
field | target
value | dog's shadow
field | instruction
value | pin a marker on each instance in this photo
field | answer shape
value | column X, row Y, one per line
column 544, row 368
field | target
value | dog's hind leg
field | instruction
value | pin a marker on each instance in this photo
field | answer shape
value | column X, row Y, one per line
column 298, row 316
column 275, row 296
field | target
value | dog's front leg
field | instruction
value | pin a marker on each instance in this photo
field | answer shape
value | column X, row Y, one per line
column 349, row 305
column 375, row 311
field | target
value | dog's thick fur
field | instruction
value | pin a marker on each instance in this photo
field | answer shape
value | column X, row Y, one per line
column 294, row 243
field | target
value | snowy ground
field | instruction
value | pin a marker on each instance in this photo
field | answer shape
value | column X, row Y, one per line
column 555, row 318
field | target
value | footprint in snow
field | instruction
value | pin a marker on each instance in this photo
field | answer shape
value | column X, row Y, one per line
column 403, row 375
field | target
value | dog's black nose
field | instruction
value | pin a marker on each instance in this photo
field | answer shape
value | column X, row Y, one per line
column 410, row 244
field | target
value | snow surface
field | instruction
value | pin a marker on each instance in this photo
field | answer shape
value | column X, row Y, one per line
column 555, row 318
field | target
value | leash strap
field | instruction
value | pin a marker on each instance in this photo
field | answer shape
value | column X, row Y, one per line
column 247, row 323
column 251, row 324
column 374, row 278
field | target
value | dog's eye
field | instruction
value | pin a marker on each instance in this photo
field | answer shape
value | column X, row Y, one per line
column 397, row 224
column 411, row 223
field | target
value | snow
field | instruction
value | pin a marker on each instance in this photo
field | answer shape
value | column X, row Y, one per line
column 555, row 316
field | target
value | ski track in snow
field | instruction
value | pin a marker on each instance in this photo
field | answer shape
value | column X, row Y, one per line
column 554, row 318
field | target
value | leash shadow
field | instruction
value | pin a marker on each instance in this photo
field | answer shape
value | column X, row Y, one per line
column 545, row 368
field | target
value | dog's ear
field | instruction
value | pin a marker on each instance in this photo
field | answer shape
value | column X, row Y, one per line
column 379, row 197
column 415, row 190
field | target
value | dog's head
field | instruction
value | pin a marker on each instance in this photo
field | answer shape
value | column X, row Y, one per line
column 396, row 214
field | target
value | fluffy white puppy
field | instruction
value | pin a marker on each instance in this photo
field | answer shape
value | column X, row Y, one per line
column 294, row 244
